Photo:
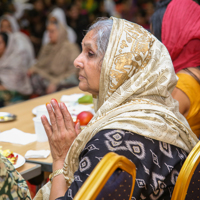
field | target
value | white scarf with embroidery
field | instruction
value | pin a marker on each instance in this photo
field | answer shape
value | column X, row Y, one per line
column 137, row 78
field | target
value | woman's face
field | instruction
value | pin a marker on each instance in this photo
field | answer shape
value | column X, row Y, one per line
column 39, row 6
column 89, row 65
column 52, row 19
column 5, row 26
column 74, row 12
column 2, row 46
column 53, row 33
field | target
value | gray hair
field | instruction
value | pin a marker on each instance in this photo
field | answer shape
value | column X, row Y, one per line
column 102, row 27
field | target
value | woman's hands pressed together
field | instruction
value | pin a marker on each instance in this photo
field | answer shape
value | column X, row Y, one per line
column 61, row 133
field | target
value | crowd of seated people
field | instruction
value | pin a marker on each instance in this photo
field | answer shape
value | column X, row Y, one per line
column 28, row 24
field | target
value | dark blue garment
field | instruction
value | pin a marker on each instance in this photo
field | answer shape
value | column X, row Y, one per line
column 158, row 163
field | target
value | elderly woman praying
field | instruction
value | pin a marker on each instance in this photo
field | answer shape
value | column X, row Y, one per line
column 130, row 75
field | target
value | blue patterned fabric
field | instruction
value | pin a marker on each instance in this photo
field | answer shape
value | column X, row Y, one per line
column 158, row 163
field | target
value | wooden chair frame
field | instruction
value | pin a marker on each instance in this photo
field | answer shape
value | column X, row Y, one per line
column 102, row 172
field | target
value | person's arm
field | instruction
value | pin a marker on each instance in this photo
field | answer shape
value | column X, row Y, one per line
column 182, row 98
column 94, row 150
column 51, row 88
column 59, row 186
column 61, row 133
column 2, row 88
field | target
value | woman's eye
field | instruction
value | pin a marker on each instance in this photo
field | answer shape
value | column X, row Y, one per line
column 90, row 54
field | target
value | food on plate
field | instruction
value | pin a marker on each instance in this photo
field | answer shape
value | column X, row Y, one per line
column 9, row 155
column 85, row 99
column 4, row 116
column 84, row 117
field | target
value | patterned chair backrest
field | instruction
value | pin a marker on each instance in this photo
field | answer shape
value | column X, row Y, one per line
column 113, row 178
column 194, row 187
column 117, row 187
column 188, row 181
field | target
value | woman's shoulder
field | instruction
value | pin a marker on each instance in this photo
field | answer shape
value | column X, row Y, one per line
column 113, row 133
column 188, row 84
column 119, row 139
column 189, row 76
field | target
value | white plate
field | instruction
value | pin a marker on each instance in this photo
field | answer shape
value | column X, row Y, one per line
column 43, row 107
column 20, row 161
column 74, row 108
column 5, row 116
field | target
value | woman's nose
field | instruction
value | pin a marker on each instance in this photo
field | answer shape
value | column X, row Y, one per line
column 78, row 62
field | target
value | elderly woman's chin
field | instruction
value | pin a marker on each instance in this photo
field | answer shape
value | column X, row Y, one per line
column 86, row 88
column 83, row 86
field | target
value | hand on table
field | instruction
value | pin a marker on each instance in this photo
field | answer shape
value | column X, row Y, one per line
column 2, row 88
column 31, row 71
column 51, row 88
column 61, row 133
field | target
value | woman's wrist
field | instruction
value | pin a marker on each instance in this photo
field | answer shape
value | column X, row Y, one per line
column 57, row 169
column 57, row 165
column 55, row 173
column 59, row 187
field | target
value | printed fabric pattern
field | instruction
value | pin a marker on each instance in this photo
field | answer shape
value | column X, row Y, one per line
column 12, row 185
column 152, row 181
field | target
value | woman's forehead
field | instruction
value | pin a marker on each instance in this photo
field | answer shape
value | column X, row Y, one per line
column 52, row 26
column 52, row 19
column 90, row 39
column 5, row 21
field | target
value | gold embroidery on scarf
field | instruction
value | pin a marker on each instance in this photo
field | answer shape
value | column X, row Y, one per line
column 127, row 64
column 120, row 73
column 143, row 42
column 123, row 44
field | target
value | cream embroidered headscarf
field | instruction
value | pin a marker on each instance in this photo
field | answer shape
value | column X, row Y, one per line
column 137, row 77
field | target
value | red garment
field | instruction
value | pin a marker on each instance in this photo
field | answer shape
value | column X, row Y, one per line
column 181, row 33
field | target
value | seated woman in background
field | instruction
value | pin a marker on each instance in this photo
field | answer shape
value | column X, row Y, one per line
column 12, row 185
column 58, row 16
column 130, row 75
column 54, row 67
column 179, row 31
column 14, row 82
column 9, row 24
